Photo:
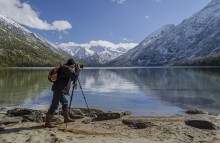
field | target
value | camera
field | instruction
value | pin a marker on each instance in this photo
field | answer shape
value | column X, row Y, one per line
column 80, row 66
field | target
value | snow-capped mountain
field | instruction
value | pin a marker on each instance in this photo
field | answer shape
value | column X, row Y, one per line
column 20, row 47
column 197, row 36
column 94, row 54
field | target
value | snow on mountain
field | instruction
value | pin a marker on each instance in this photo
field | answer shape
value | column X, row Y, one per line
column 197, row 36
column 94, row 54
column 20, row 47
column 29, row 35
column 4, row 18
column 129, row 56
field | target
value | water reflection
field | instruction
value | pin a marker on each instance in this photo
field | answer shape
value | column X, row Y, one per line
column 186, row 88
column 143, row 91
column 106, row 81
column 18, row 85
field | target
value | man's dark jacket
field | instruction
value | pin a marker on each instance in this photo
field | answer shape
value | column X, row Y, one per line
column 65, row 75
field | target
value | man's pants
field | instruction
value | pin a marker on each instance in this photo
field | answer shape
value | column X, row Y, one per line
column 58, row 97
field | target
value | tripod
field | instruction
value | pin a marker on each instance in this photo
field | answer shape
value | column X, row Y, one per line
column 71, row 98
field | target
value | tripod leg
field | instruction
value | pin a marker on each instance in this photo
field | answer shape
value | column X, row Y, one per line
column 71, row 98
column 84, row 96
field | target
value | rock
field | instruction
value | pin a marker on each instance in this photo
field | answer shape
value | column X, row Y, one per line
column 196, row 111
column 27, row 114
column 75, row 116
column 128, row 122
column 2, row 127
column 108, row 116
column 137, row 124
column 57, row 119
column 11, row 120
column 87, row 120
column 77, row 112
column 202, row 124
column 35, row 116
column 218, row 117
column 2, row 116
column 85, row 111
column 19, row 112
column 93, row 116
column 56, row 140
column 127, row 113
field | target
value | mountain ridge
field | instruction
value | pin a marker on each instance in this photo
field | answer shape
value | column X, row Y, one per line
column 94, row 55
column 20, row 47
column 195, row 37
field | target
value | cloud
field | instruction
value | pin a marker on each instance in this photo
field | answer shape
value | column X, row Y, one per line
column 65, row 32
column 62, row 25
column 23, row 13
column 100, row 43
column 119, row 1
column 60, row 37
column 147, row 17
column 111, row 34
column 127, row 40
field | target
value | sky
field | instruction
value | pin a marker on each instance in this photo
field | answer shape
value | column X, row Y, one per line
column 98, row 22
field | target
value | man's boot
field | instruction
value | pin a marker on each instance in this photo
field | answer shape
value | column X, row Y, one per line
column 66, row 117
column 48, row 119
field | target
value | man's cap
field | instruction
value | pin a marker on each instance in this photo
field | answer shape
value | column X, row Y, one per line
column 70, row 62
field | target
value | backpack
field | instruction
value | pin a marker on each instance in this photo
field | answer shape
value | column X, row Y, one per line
column 52, row 76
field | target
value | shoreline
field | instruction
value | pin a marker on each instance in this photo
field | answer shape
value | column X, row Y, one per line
column 122, row 67
column 149, row 129
column 4, row 109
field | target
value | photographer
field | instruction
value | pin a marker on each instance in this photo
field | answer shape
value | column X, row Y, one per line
column 66, row 73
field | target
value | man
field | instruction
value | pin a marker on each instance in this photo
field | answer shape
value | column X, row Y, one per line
column 66, row 73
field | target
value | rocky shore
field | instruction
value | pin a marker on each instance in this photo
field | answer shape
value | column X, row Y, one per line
column 27, row 126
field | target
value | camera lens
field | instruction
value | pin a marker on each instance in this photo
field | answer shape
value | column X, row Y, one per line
column 81, row 66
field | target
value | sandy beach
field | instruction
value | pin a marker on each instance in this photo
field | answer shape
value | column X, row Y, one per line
column 170, row 129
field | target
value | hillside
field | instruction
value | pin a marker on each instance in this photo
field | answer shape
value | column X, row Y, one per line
column 20, row 47
column 197, row 37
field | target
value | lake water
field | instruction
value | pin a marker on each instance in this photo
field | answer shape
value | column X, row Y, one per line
column 143, row 91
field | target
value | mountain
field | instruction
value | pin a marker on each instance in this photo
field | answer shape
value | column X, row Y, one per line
column 197, row 37
column 130, row 56
column 20, row 47
column 94, row 55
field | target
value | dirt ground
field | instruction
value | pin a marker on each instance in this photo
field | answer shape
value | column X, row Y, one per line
column 162, row 129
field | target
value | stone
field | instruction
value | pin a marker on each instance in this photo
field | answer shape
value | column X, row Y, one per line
column 2, row 116
column 35, row 116
column 77, row 112
column 137, row 124
column 11, row 120
column 87, row 120
column 202, row 123
column 108, row 116
column 85, row 111
column 218, row 117
column 19, row 112
column 127, row 122
column 57, row 119
column 27, row 114
column 127, row 113
column 196, row 111
column 75, row 116
column 2, row 127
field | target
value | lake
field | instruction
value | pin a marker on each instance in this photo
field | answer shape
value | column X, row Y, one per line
column 143, row 91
